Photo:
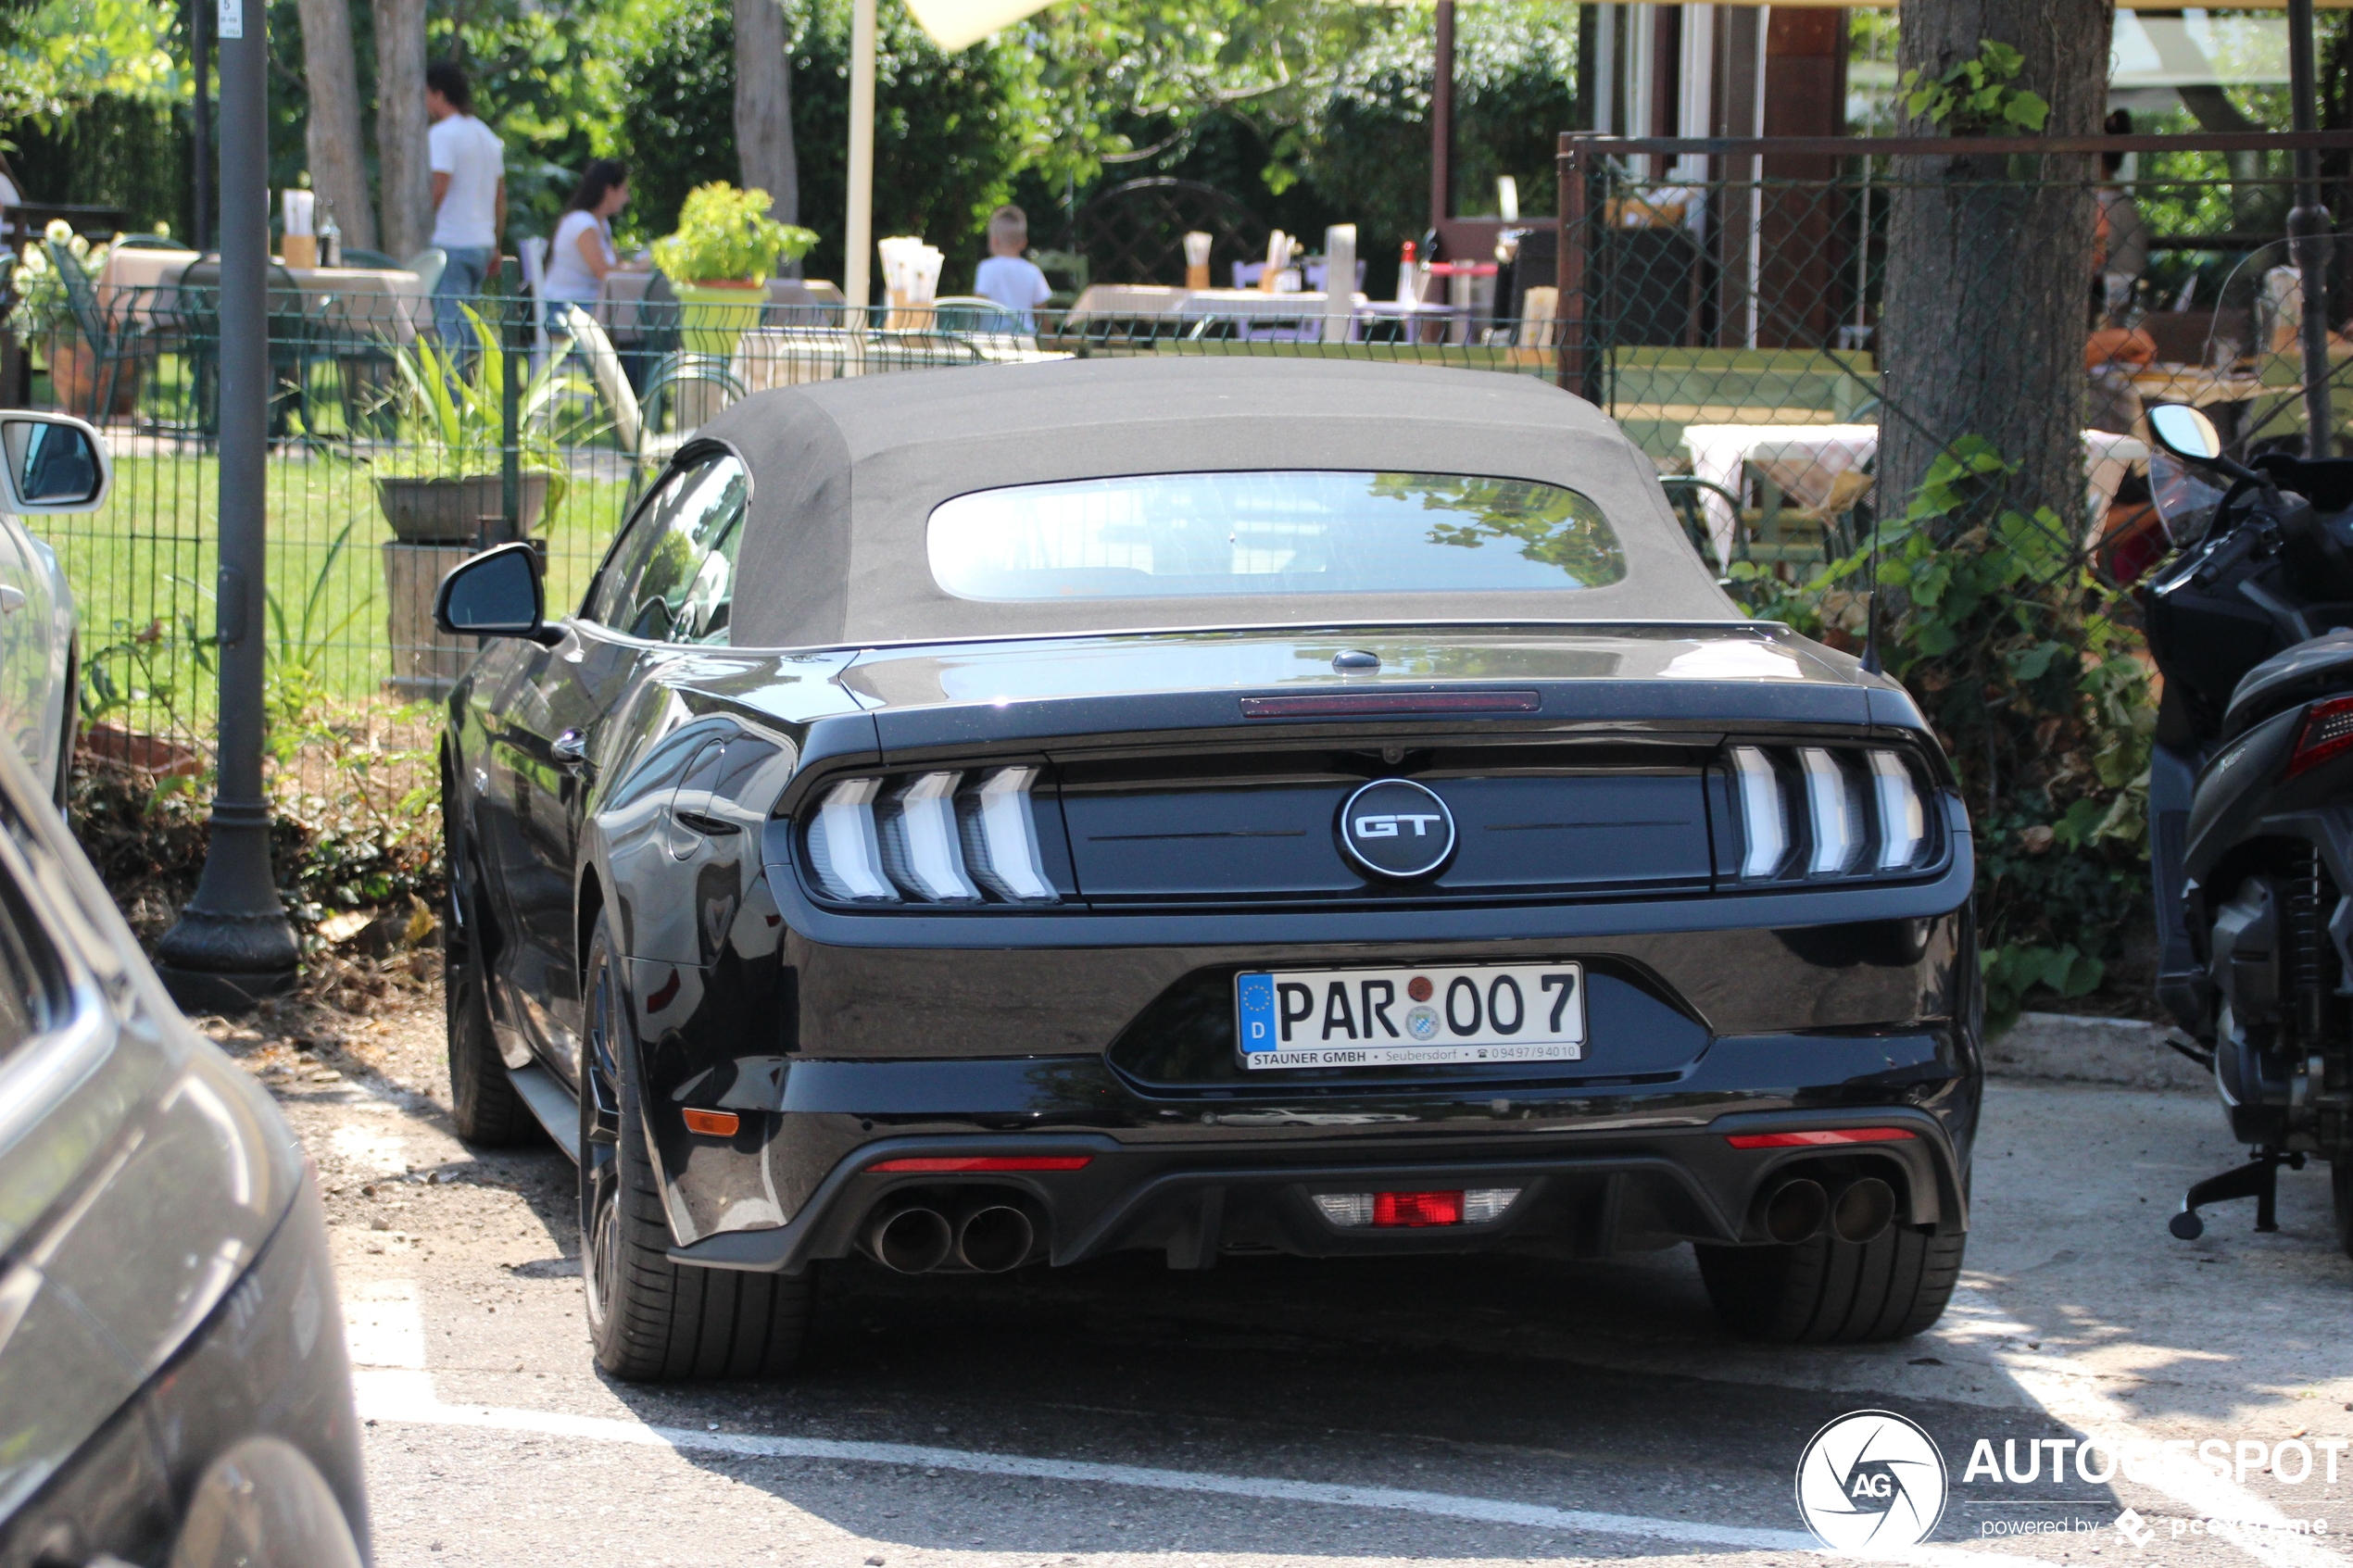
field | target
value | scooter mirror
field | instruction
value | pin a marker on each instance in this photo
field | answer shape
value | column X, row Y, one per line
column 2184, row 432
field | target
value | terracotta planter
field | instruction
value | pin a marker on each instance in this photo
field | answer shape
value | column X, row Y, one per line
column 75, row 374
column 713, row 315
column 459, row 511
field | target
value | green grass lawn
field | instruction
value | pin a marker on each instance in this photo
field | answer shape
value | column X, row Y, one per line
column 142, row 568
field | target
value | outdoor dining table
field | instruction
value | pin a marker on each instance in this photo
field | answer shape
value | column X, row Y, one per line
column 143, row 283
column 1804, row 461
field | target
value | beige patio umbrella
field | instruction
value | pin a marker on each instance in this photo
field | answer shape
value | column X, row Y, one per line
column 953, row 25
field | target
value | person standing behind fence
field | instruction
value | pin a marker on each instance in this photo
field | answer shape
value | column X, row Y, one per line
column 580, row 253
column 469, row 201
column 1006, row 276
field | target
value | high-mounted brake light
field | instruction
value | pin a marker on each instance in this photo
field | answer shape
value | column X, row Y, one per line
column 1829, row 1135
column 1819, row 811
column 2328, row 732
column 931, row 839
column 1335, row 705
column 956, row 1164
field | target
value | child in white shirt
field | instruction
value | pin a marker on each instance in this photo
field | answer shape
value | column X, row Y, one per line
column 1006, row 276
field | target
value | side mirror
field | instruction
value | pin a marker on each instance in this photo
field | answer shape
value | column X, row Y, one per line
column 2186, row 431
column 495, row 593
column 50, row 463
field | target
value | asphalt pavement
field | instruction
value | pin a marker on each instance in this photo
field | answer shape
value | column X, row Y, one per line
column 1462, row 1411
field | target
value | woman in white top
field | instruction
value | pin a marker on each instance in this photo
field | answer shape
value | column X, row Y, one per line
column 582, row 251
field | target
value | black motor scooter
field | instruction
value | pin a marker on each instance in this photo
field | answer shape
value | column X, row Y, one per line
column 2251, row 799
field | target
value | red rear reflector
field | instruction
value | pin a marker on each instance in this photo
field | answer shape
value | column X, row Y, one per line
column 1802, row 1140
column 2328, row 732
column 990, row 1163
column 713, row 1123
column 1336, row 705
column 1418, row 1208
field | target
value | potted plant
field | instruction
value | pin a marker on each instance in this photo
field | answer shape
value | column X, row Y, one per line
column 445, row 477
column 44, row 314
column 719, row 262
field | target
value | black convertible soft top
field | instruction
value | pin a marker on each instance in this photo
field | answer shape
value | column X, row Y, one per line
column 845, row 475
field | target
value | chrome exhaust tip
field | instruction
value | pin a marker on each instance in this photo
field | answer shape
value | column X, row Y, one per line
column 911, row 1241
column 995, row 1238
column 1862, row 1210
column 1795, row 1211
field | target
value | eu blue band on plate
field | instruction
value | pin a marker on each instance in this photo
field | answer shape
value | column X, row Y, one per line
column 1254, row 1001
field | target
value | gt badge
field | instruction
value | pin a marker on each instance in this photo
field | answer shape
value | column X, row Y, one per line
column 1396, row 828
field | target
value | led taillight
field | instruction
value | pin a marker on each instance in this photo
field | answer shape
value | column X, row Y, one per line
column 844, row 848
column 1817, row 811
column 2328, row 732
column 932, row 839
column 1001, row 837
column 1838, row 828
column 1762, row 814
column 1903, row 821
column 918, row 830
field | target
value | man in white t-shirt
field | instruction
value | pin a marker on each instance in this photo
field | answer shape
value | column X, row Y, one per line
column 469, row 201
column 1007, row 275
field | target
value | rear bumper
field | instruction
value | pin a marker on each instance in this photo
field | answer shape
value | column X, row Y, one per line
column 1594, row 1191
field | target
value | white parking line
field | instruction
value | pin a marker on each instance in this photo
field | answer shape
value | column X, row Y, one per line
column 385, row 1332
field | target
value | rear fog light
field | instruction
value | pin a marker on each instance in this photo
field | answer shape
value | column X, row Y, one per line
column 1396, row 1211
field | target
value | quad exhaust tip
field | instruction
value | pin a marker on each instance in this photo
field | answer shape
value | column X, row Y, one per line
column 1800, row 1208
column 1795, row 1211
column 1862, row 1210
column 995, row 1238
column 911, row 1241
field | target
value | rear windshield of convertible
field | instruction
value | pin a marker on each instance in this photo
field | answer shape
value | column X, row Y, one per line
column 1182, row 535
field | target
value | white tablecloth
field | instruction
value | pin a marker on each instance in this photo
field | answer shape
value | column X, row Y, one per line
column 1802, row 461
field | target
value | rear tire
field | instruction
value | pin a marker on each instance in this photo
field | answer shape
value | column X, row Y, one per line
column 652, row 1319
column 1830, row 1292
column 483, row 1104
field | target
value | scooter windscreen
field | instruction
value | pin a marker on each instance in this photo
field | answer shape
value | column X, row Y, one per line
column 2184, row 497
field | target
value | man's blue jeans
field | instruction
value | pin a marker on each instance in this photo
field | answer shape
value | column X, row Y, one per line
column 460, row 283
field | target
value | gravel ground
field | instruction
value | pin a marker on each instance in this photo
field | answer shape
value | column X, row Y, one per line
column 1271, row 1412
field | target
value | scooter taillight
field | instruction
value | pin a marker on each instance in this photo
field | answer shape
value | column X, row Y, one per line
column 2328, row 732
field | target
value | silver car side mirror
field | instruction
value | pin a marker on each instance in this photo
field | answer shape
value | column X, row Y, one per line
column 51, row 463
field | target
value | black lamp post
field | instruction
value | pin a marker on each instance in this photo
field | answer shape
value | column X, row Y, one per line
column 232, row 943
column 2307, row 226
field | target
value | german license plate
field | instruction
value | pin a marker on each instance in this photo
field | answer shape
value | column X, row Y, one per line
column 1409, row 1017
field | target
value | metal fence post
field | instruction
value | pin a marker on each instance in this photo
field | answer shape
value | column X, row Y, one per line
column 2308, row 243
column 514, row 351
column 232, row 943
column 1580, row 372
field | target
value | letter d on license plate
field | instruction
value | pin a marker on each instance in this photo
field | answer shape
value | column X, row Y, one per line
column 1409, row 1017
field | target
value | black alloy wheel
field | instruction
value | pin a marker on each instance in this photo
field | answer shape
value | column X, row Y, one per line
column 1826, row 1291
column 651, row 1319
column 483, row 1103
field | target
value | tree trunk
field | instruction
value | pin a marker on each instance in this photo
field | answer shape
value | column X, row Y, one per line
column 1989, row 274
column 338, row 169
column 763, row 105
column 405, row 179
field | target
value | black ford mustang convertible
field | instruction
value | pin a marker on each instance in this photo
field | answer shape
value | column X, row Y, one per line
column 990, row 818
